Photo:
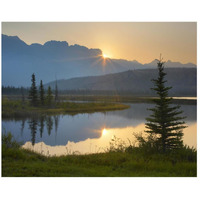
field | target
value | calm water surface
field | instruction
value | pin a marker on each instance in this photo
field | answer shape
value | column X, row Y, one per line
column 89, row 133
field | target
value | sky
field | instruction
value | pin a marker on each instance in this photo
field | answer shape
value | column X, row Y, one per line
column 141, row 41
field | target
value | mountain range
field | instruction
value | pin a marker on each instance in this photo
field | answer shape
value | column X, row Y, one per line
column 59, row 60
column 137, row 82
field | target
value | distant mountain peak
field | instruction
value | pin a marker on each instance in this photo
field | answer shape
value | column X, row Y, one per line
column 154, row 62
column 135, row 61
column 12, row 39
column 55, row 43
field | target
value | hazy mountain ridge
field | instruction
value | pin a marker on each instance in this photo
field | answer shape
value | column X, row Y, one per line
column 138, row 82
column 59, row 60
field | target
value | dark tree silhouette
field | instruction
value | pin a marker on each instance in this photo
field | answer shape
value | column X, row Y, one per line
column 22, row 126
column 56, row 92
column 33, row 92
column 33, row 128
column 165, row 123
column 41, row 93
column 49, row 124
column 56, row 121
column 41, row 125
column 49, row 96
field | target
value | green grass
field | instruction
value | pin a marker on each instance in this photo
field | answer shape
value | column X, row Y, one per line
column 19, row 109
column 133, row 162
column 111, row 98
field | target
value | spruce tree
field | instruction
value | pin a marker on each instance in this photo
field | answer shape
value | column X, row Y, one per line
column 41, row 93
column 49, row 96
column 165, row 124
column 33, row 92
column 56, row 92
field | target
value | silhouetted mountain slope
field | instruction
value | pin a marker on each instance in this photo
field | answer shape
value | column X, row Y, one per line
column 56, row 59
column 138, row 82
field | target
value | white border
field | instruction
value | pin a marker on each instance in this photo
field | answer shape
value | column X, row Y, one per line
column 100, row 188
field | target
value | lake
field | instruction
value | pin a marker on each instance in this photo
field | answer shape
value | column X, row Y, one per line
column 89, row 133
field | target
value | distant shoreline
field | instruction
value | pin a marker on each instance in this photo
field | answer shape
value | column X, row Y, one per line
column 114, row 98
column 19, row 109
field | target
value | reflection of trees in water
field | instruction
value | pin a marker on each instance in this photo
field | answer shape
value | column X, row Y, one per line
column 22, row 126
column 33, row 127
column 38, row 124
column 41, row 125
column 56, row 121
column 49, row 124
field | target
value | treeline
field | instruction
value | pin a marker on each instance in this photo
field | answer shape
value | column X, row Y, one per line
column 10, row 90
column 103, row 92
column 38, row 97
column 21, row 90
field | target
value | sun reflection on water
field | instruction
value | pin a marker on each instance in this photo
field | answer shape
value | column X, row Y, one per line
column 100, row 144
column 104, row 131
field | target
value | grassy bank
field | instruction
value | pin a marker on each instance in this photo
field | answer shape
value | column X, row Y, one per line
column 133, row 162
column 113, row 98
column 17, row 108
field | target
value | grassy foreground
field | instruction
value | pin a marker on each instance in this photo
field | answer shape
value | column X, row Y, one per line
column 133, row 162
column 17, row 108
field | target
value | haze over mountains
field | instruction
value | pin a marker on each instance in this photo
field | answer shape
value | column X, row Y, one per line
column 59, row 60
column 135, row 82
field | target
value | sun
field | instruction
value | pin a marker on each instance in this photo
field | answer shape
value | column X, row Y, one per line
column 105, row 56
column 104, row 131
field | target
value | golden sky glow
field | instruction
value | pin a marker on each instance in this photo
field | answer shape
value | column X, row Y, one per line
column 141, row 41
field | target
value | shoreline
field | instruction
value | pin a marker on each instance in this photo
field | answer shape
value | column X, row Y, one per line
column 18, row 109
